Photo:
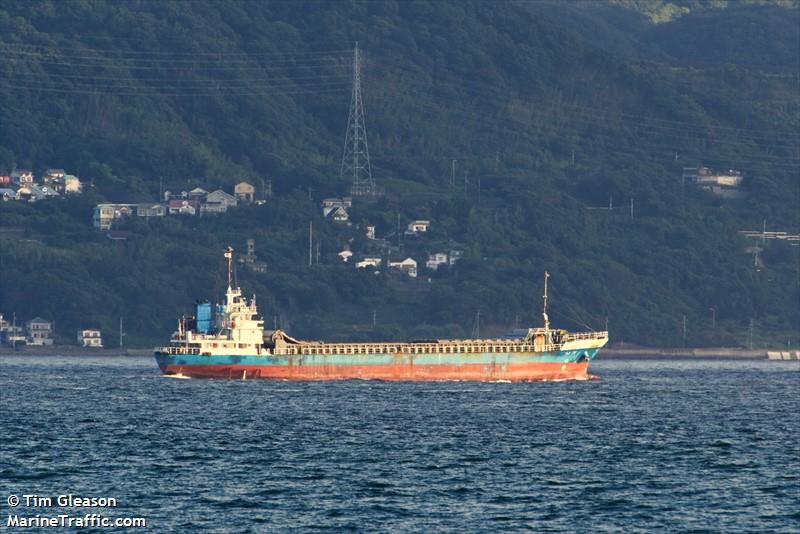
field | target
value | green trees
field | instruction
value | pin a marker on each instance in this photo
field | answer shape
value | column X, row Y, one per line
column 546, row 124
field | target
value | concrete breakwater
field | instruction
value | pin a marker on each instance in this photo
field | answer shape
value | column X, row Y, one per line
column 707, row 353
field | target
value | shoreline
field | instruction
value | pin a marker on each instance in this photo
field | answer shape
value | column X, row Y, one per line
column 634, row 353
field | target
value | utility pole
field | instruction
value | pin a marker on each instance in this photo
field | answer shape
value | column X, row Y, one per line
column 631, row 208
column 374, row 318
column 684, row 331
column 750, row 335
column 452, row 176
column 120, row 332
column 310, row 241
column 318, row 243
column 161, row 189
column 713, row 318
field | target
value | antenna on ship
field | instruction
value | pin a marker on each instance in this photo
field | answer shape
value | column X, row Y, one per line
column 229, row 256
column 544, row 310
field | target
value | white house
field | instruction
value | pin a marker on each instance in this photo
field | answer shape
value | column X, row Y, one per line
column 40, row 332
column 417, row 227
column 183, row 206
column 106, row 214
column 346, row 254
column 90, row 338
column 22, row 177
column 338, row 214
column 443, row 258
column 151, row 210
column 7, row 194
column 369, row 261
column 407, row 266
column 217, row 202
column 435, row 260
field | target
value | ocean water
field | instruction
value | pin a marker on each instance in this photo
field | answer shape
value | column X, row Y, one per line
column 667, row 446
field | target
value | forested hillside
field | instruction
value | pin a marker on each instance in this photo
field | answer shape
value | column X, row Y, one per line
column 549, row 113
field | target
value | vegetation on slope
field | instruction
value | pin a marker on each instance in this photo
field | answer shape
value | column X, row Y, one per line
column 543, row 123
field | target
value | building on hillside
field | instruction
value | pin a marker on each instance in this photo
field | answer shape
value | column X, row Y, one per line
column 369, row 261
column 438, row 259
column 407, row 266
column 346, row 254
column 7, row 194
column 217, row 202
column 106, row 214
column 250, row 260
column 40, row 332
column 417, row 227
column 22, row 177
column 72, row 185
column 198, row 193
column 244, row 192
column 5, row 179
column 338, row 214
column 721, row 183
column 183, row 206
column 90, row 338
column 151, row 210
column 370, row 232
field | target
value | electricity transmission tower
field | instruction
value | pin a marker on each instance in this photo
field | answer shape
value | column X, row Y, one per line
column 355, row 159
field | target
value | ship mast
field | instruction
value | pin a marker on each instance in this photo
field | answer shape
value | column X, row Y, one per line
column 229, row 257
column 544, row 309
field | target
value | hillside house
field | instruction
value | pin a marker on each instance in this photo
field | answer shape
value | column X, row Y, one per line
column 250, row 260
column 5, row 179
column 72, row 184
column 346, row 254
column 106, row 214
column 217, row 202
column 22, row 177
column 417, row 227
column 244, row 192
column 90, row 338
column 443, row 258
column 371, row 232
column 369, row 261
column 436, row 260
column 151, row 210
column 7, row 194
column 407, row 266
column 40, row 332
column 183, row 206
column 198, row 193
column 721, row 183
column 338, row 214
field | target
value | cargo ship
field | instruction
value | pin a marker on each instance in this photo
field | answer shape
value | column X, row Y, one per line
column 232, row 343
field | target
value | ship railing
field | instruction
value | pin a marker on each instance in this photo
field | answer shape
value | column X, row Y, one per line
column 464, row 347
column 180, row 350
column 587, row 335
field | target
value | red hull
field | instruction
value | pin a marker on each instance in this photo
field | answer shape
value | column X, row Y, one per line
column 473, row 372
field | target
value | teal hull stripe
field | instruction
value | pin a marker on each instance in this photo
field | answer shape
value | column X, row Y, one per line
column 570, row 356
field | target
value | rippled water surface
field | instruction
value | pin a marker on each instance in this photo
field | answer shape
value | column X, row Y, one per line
column 662, row 446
